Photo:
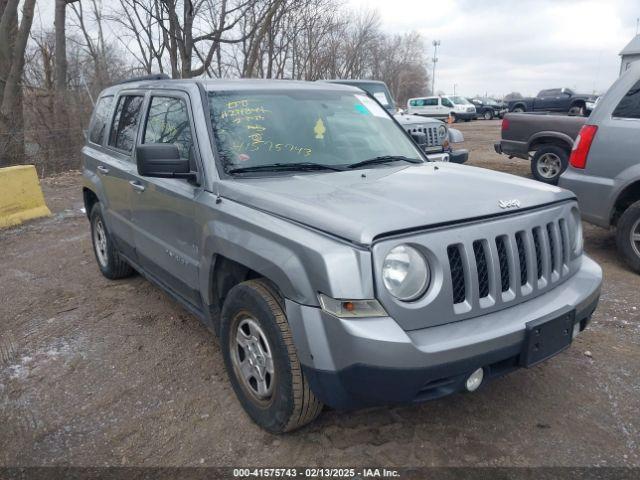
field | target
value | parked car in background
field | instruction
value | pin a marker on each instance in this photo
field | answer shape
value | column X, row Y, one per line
column 562, row 100
column 336, row 264
column 459, row 108
column 604, row 170
column 433, row 136
column 545, row 140
column 489, row 108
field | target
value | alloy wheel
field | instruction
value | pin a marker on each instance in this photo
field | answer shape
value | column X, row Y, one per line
column 252, row 358
column 100, row 242
column 549, row 165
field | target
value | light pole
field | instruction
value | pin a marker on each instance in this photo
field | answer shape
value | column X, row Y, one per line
column 436, row 44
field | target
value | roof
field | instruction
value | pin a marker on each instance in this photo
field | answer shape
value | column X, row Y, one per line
column 633, row 47
column 211, row 85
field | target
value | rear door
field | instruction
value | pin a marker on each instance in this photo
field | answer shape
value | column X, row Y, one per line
column 114, row 165
column 163, row 210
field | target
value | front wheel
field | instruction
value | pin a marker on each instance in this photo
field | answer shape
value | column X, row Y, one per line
column 518, row 110
column 548, row 163
column 261, row 359
column 628, row 236
column 488, row 115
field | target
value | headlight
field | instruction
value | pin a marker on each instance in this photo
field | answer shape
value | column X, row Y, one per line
column 575, row 232
column 442, row 131
column 405, row 273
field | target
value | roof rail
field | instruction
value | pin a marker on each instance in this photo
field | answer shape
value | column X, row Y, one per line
column 155, row 76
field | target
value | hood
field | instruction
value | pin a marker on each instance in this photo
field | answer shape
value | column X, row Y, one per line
column 361, row 205
column 407, row 119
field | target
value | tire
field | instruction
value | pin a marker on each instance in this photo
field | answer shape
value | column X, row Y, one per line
column 467, row 119
column 577, row 110
column 487, row 115
column 627, row 230
column 518, row 110
column 279, row 400
column 109, row 261
column 548, row 163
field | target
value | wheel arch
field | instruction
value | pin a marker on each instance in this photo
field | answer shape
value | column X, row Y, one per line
column 550, row 138
column 628, row 196
column 89, row 198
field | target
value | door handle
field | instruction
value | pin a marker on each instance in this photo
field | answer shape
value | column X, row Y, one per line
column 137, row 186
column 103, row 169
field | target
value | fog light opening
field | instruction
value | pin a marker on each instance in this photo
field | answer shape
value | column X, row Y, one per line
column 474, row 380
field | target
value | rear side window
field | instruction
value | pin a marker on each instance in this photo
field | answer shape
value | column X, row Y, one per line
column 100, row 120
column 629, row 106
column 168, row 122
column 125, row 122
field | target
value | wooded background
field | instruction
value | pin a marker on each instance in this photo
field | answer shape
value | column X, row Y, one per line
column 50, row 76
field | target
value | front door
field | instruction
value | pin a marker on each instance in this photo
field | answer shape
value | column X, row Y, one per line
column 163, row 211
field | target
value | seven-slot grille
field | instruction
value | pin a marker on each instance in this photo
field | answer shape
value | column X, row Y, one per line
column 525, row 261
column 431, row 134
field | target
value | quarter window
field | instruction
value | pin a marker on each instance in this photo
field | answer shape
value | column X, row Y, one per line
column 168, row 122
column 100, row 119
column 629, row 106
column 125, row 123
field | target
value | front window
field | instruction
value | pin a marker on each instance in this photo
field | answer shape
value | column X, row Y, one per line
column 333, row 128
column 460, row 101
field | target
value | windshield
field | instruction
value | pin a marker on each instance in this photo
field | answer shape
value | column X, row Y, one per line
column 460, row 101
column 289, row 127
column 377, row 90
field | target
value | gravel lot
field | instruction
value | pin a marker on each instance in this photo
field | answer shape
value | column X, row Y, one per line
column 94, row 372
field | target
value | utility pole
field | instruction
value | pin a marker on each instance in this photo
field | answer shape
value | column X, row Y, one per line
column 436, row 44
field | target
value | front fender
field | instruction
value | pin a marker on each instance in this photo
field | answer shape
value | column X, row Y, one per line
column 455, row 136
column 299, row 260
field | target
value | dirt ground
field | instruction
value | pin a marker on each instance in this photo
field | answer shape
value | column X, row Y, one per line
column 95, row 372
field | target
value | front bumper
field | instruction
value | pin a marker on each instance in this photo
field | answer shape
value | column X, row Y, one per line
column 365, row 362
column 466, row 115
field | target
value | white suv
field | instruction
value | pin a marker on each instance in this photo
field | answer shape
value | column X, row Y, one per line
column 441, row 107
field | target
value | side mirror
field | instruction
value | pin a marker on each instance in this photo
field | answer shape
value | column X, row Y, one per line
column 162, row 160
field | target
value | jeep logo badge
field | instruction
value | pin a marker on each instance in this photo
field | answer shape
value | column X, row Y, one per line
column 509, row 203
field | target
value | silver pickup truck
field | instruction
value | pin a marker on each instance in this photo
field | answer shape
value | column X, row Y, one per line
column 336, row 264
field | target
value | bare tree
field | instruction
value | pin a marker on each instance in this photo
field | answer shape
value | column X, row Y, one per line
column 13, row 43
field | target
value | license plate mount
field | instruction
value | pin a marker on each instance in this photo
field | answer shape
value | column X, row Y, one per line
column 547, row 337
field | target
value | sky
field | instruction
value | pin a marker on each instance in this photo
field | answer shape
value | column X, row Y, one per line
column 500, row 46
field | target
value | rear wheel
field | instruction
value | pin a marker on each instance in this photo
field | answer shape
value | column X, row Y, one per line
column 577, row 110
column 548, row 163
column 628, row 236
column 261, row 359
column 518, row 110
column 109, row 261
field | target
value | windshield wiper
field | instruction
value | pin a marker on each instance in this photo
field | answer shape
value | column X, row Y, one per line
column 279, row 167
column 384, row 159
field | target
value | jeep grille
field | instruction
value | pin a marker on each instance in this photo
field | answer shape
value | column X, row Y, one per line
column 431, row 134
column 540, row 251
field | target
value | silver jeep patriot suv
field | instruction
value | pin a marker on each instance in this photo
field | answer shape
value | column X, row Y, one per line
column 336, row 264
